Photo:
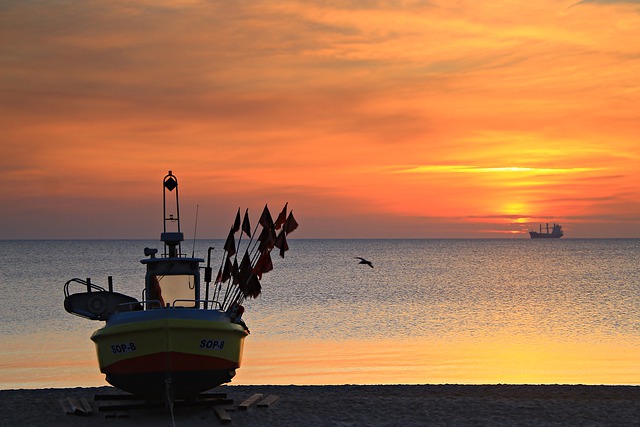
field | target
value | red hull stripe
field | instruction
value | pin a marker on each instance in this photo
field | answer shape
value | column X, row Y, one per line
column 172, row 361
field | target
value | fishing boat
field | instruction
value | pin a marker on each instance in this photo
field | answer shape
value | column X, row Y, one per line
column 183, row 336
column 555, row 233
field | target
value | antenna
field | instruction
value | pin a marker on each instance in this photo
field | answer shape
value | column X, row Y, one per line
column 195, row 230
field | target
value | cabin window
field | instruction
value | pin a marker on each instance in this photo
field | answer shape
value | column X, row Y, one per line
column 180, row 287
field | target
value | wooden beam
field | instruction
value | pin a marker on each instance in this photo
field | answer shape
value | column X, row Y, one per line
column 250, row 401
column 76, row 406
column 267, row 401
column 222, row 414
column 66, row 406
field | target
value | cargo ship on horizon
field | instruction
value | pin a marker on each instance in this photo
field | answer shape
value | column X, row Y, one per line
column 555, row 232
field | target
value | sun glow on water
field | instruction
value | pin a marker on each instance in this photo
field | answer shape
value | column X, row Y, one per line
column 438, row 361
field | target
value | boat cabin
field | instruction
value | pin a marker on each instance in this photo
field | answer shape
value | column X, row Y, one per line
column 172, row 280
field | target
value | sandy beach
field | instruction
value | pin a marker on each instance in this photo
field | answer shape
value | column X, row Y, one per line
column 352, row 405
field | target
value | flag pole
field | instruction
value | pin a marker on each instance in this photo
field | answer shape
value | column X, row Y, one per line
column 249, row 249
column 254, row 253
column 235, row 258
column 224, row 258
column 216, row 292
column 207, row 277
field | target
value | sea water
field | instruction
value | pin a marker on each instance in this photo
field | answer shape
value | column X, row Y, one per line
column 430, row 311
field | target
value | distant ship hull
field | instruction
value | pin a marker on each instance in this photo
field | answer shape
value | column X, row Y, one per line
column 536, row 235
column 555, row 233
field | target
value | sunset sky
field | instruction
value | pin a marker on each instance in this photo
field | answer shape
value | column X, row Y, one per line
column 432, row 118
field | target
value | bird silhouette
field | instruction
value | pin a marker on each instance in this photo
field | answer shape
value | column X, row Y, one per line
column 364, row 261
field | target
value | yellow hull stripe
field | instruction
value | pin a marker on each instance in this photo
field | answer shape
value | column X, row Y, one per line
column 213, row 339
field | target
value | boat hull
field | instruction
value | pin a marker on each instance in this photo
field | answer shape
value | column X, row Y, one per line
column 536, row 235
column 180, row 351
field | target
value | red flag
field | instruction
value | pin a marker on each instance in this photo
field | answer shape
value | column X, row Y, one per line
column 264, row 265
column 253, row 287
column 281, row 243
column 246, row 227
column 230, row 244
column 267, row 239
column 282, row 217
column 235, row 272
column 265, row 219
column 236, row 223
column 290, row 224
column 245, row 270
column 226, row 273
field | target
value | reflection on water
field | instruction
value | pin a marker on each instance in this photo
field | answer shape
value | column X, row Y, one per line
column 438, row 362
column 49, row 360
column 431, row 311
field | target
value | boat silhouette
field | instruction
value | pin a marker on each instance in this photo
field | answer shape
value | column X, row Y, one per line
column 183, row 336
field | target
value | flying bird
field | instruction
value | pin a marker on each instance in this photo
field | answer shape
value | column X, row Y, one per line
column 364, row 261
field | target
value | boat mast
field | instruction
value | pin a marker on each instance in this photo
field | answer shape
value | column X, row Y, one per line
column 173, row 237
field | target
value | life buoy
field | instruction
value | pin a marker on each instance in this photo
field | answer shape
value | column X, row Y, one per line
column 97, row 304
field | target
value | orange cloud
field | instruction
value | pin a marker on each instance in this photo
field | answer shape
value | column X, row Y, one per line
column 514, row 111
